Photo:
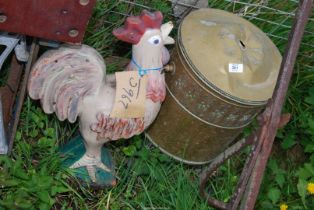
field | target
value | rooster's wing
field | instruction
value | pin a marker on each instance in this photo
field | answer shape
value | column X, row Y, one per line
column 62, row 77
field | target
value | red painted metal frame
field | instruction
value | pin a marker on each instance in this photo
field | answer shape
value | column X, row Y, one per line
column 60, row 20
column 263, row 138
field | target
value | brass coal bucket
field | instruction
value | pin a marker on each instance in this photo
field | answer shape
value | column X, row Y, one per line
column 225, row 71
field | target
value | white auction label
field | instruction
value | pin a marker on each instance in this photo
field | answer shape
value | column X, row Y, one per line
column 235, row 67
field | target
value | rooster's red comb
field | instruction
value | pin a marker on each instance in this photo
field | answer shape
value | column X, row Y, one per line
column 135, row 26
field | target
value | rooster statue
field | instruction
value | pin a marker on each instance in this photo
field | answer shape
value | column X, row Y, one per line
column 72, row 82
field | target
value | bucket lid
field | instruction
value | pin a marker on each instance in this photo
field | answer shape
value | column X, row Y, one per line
column 230, row 54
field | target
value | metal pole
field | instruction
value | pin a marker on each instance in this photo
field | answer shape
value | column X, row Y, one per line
column 273, row 114
column 22, row 92
column 3, row 140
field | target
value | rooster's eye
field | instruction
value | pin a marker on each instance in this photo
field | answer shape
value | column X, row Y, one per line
column 155, row 40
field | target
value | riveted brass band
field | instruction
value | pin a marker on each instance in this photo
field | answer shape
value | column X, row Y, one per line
column 174, row 156
column 200, row 119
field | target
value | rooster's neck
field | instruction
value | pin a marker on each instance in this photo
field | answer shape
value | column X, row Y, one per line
column 156, row 89
column 146, row 58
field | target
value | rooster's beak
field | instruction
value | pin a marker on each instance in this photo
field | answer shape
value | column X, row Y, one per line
column 165, row 31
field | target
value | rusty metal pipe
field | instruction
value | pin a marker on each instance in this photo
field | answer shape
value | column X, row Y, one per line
column 9, row 91
column 228, row 153
column 248, row 166
column 277, row 102
column 8, row 96
column 263, row 138
column 22, row 92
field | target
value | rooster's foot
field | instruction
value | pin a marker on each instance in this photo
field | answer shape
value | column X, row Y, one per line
column 92, row 171
column 91, row 163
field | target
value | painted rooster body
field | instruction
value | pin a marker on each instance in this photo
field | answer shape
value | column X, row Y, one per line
column 72, row 82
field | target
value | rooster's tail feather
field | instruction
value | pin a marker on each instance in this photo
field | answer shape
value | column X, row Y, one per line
column 60, row 78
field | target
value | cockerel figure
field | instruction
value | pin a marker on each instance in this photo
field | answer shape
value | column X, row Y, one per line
column 72, row 82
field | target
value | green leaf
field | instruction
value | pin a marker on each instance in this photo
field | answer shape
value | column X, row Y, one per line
column 310, row 168
column 45, row 142
column 6, row 162
column 18, row 136
column 43, row 169
column 10, row 183
column 41, row 124
column 274, row 195
column 280, row 134
column 280, row 179
column 24, row 204
column 50, row 132
column 312, row 158
column 44, row 206
column 58, row 189
column 311, row 91
column 302, row 190
column 303, row 173
column 44, row 196
column 138, row 143
column 141, row 169
column 129, row 151
column 310, row 122
column 35, row 117
column 44, row 182
column 33, row 133
column 20, row 173
column 289, row 141
column 310, row 98
column 267, row 205
column 309, row 148
column 272, row 164
column 227, row 198
column 6, row 203
column 143, row 154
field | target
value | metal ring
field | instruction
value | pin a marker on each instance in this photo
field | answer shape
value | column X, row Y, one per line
column 200, row 119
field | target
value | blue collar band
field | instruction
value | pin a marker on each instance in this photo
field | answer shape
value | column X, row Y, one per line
column 142, row 71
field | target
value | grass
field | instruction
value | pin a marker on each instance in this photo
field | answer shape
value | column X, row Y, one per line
column 33, row 179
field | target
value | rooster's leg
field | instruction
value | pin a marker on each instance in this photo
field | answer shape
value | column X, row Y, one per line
column 91, row 160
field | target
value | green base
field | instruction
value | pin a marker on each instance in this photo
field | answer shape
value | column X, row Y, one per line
column 73, row 150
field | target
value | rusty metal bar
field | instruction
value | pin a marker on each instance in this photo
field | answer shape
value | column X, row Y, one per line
column 22, row 93
column 252, row 158
column 228, row 153
column 9, row 91
column 246, row 172
column 263, row 138
column 8, row 94
column 275, row 107
column 247, row 168
column 219, row 160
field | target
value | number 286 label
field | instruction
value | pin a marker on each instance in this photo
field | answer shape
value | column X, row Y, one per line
column 130, row 95
column 235, row 67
